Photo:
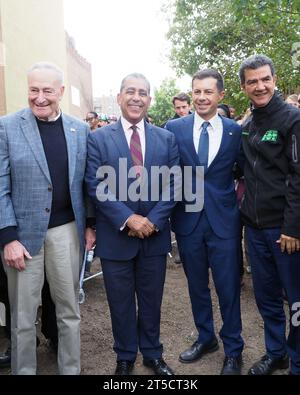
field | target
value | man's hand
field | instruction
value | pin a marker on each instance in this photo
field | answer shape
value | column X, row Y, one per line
column 289, row 244
column 14, row 254
column 140, row 226
column 90, row 238
column 132, row 233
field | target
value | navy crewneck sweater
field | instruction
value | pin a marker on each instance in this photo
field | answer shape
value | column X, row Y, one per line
column 55, row 147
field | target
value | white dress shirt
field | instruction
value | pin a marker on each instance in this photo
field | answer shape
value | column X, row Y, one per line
column 141, row 131
column 51, row 119
column 215, row 132
column 128, row 133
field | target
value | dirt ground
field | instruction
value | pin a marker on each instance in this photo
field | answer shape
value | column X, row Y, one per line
column 177, row 331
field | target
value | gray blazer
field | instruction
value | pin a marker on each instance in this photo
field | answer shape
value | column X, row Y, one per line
column 25, row 183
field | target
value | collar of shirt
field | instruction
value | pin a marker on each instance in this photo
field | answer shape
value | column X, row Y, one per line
column 214, row 122
column 51, row 119
column 128, row 133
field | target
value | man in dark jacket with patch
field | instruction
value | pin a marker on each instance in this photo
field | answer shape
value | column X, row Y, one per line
column 271, row 211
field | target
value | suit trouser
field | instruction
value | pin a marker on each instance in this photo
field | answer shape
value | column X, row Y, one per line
column 60, row 258
column 201, row 250
column 141, row 278
column 273, row 271
column 48, row 318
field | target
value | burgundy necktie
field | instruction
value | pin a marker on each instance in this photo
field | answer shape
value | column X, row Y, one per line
column 136, row 150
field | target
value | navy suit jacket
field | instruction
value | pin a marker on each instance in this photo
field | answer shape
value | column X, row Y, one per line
column 220, row 202
column 105, row 147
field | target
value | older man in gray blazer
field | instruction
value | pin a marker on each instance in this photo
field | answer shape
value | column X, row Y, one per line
column 43, row 224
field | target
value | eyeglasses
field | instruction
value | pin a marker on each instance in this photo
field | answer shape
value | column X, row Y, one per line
column 34, row 92
column 90, row 119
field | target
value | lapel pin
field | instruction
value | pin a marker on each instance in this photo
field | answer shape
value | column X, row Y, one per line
column 73, row 130
column 230, row 133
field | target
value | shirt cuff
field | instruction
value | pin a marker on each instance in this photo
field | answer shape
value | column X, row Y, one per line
column 125, row 224
column 7, row 235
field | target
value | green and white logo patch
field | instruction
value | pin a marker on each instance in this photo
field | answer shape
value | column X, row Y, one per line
column 270, row 135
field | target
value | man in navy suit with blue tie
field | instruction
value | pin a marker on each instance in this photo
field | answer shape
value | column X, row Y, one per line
column 133, row 233
column 209, row 237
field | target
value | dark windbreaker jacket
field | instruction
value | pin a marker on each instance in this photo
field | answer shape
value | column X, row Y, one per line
column 271, row 145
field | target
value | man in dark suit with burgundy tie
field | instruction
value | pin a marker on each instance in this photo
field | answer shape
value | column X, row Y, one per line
column 133, row 233
column 209, row 236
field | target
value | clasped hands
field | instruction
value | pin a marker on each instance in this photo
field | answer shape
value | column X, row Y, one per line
column 140, row 226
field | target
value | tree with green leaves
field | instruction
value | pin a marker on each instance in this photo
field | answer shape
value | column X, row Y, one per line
column 163, row 109
column 220, row 34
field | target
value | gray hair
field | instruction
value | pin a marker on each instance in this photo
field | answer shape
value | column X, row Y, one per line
column 137, row 76
column 255, row 62
column 48, row 66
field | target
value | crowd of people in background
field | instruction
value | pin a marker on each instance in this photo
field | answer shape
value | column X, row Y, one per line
column 182, row 106
column 96, row 121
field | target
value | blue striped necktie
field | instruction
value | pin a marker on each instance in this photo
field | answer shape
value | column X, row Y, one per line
column 203, row 147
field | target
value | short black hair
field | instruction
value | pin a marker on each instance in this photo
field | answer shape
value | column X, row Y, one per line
column 181, row 97
column 226, row 109
column 201, row 75
column 255, row 62
column 93, row 113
